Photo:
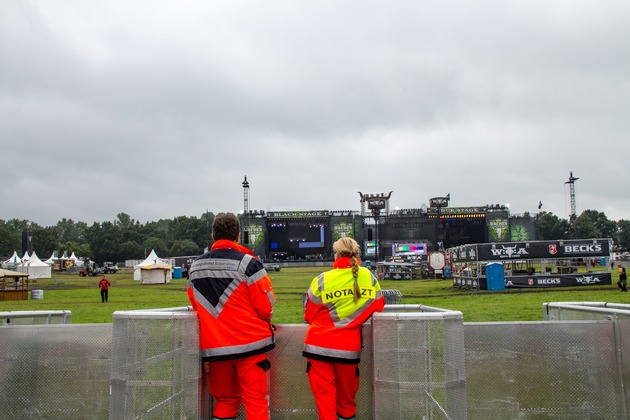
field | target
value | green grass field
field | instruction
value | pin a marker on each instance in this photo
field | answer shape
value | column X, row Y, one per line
column 81, row 296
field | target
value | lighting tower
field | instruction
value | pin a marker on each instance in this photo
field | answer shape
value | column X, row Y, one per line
column 571, row 183
column 246, row 195
column 376, row 203
column 439, row 203
column 245, row 227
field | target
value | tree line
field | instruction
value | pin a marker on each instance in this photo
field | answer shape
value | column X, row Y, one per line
column 126, row 238
column 117, row 241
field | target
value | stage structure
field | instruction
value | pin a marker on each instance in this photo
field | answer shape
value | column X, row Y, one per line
column 532, row 264
column 406, row 235
column 376, row 203
column 307, row 235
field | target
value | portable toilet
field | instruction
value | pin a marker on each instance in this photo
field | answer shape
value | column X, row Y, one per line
column 495, row 276
column 177, row 273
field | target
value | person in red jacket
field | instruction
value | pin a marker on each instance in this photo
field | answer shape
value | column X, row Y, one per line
column 337, row 303
column 104, row 286
column 234, row 299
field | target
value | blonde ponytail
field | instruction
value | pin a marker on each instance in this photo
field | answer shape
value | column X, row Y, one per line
column 348, row 247
column 355, row 274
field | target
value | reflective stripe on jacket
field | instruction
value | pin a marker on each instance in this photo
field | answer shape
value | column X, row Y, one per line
column 234, row 299
column 335, row 319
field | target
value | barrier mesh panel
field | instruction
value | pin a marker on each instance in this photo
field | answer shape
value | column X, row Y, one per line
column 419, row 369
column 392, row 296
column 290, row 395
column 623, row 387
column 619, row 315
column 55, row 371
column 35, row 318
column 155, row 366
column 536, row 370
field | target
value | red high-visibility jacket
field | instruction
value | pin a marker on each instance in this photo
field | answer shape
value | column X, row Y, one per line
column 234, row 299
column 335, row 320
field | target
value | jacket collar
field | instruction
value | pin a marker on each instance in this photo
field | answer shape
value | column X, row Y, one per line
column 344, row 262
column 227, row 244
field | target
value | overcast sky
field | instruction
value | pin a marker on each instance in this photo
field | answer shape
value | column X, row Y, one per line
column 158, row 109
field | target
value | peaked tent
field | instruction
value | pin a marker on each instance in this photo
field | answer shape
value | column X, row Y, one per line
column 13, row 261
column 51, row 261
column 159, row 273
column 35, row 268
column 25, row 257
column 142, row 271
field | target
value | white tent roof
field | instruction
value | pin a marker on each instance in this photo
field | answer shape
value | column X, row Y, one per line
column 51, row 260
column 35, row 268
column 25, row 257
column 73, row 257
column 152, row 259
column 152, row 262
column 14, row 259
column 34, row 261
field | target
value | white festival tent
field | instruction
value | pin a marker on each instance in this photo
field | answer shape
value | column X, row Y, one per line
column 25, row 257
column 51, row 261
column 153, row 270
column 35, row 268
column 12, row 262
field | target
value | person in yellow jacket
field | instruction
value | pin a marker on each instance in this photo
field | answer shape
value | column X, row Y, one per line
column 234, row 299
column 337, row 303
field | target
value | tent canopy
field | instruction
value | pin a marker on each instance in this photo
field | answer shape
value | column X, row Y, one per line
column 153, row 270
column 13, row 274
column 35, row 268
column 156, row 266
column 14, row 259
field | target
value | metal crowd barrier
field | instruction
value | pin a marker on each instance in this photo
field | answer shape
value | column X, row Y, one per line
column 35, row 317
column 419, row 362
column 58, row 371
column 432, row 340
column 155, row 365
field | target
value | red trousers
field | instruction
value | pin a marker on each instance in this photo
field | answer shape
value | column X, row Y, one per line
column 334, row 386
column 233, row 381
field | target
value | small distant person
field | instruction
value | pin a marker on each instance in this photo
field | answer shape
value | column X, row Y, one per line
column 104, row 286
column 232, row 294
column 623, row 279
column 337, row 303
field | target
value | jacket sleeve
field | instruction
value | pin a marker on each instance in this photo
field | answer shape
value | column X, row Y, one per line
column 312, row 307
column 263, row 298
column 191, row 297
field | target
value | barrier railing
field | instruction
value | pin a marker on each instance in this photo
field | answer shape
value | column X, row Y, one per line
column 155, row 364
column 418, row 362
column 35, row 317
column 58, row 371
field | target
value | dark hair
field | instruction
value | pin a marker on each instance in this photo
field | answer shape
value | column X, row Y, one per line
column 226, row 226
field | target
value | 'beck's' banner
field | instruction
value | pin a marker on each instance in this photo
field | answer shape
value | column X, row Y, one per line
column 506, row 251
column 559, row 280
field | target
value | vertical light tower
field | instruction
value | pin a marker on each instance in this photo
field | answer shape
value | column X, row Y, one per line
column 572, row 217
column 571, row 183
column 245, row 224
column 376, row 203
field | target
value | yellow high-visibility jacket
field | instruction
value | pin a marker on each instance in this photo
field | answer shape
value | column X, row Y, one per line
column 335, row 319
